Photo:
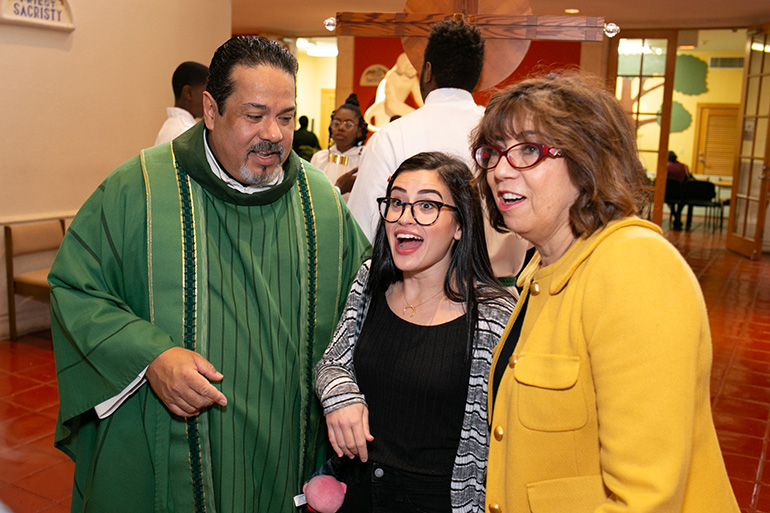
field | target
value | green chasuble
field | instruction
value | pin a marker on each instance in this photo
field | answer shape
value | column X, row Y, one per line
column 164, row 254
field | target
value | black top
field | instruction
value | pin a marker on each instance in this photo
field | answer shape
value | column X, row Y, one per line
column 509, row 345
column 415, row 380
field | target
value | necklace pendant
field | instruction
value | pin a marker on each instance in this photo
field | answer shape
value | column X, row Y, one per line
column 408, row 307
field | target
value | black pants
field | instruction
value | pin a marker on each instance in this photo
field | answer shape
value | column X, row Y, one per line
column 378, row 489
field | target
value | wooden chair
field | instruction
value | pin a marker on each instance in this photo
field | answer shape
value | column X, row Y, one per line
column 29, row 239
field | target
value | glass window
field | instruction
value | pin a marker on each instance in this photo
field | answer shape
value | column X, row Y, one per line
column 654, row 57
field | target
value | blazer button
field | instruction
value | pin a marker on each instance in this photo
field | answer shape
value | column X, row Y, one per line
column 495, row 508
column 513, row 360
column 499, row 433
column 535, row 289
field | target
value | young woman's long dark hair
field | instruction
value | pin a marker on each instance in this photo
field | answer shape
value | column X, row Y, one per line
column 469, row 277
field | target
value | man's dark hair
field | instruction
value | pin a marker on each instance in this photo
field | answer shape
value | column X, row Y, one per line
column 188, row 73
column 248, row 51
column 456, row 53
column 303, row 121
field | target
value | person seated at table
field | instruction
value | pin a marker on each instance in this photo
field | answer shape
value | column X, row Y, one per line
column 677, row 170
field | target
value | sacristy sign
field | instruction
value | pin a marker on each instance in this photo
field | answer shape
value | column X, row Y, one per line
column 51, row 14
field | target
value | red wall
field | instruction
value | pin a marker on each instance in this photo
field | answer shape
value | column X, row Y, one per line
column 542, row 56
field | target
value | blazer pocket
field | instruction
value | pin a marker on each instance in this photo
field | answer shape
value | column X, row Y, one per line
column 581, row 494
column 549, row 398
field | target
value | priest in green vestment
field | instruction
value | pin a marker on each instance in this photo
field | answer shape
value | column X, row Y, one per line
column 191, row 298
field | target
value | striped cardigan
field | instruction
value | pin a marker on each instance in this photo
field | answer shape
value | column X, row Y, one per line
column 335, row 384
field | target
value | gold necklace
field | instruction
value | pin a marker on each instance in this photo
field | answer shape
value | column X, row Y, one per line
column 413, row 308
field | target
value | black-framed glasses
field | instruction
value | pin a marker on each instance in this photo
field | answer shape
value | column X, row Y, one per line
column 336, row 123
column 520, row 156
column 424, row 212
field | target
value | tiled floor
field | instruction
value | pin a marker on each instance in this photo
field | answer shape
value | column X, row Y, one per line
column 34, row 477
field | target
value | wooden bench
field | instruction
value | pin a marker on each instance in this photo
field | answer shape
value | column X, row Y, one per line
column 29, row 239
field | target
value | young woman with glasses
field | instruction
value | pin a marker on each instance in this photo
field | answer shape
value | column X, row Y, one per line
column 600, row 388
column 403, row 383
column 347, row 134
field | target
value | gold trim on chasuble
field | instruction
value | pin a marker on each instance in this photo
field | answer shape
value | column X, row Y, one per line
column 189, row 304
column 311, row 234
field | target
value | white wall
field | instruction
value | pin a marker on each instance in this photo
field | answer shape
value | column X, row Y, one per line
column 315, row 73
column 76, row 104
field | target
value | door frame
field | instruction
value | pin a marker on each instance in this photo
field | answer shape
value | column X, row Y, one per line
column 738, row 238
column 661, row 173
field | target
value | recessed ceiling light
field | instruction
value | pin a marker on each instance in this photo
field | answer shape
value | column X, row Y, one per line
column 572, row 11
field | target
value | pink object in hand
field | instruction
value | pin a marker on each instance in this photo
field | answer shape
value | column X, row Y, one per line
column 324, row 494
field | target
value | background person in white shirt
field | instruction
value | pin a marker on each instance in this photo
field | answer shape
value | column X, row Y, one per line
column 451, row 68
column 188, row 82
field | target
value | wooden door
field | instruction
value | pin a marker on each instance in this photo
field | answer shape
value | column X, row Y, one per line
column 716, row 132
column 751, row 175
column 641, row 71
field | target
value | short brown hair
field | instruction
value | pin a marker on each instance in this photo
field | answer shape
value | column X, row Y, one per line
column 570, row 112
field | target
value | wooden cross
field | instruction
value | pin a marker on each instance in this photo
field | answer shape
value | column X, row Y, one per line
column 508, row 26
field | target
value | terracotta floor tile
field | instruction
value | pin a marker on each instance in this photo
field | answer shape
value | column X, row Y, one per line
column 44, row 373
column 57, row 508
column 51, row 412
column 741, row 467
column 43, row 396
column 14, row 383
column 763, row 498
column 752, row 354
column 22, row 501
column 740, row 407
column 751, row 365
column 744, row 491
column 733, row 443
column 764, row 472
column 19, row 463
column 746, row 392
column 54, row 482
column 26, row 428
column 9, row 410
column 739, row 424
column 748, row 377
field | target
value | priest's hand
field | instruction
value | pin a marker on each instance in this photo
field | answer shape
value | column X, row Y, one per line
column 349, row 431
column 181, row 379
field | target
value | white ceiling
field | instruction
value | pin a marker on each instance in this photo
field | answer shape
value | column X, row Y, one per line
column 305, row 17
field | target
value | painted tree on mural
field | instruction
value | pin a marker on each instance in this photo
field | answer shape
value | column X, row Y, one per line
column 689, row 79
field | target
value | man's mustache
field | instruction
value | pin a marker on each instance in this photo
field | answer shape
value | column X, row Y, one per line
column 267, row 146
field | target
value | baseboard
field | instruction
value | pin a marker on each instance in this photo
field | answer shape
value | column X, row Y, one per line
column 31, row 316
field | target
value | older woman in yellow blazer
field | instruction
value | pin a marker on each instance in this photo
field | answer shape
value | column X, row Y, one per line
column 599, row 393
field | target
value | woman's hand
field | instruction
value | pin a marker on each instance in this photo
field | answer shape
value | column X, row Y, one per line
column 349, row 431
column 346, row 180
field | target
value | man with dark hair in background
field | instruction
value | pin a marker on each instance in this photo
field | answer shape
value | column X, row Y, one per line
column 451, row 68
column 305, row 141
column 192, row 296
column 188, row 83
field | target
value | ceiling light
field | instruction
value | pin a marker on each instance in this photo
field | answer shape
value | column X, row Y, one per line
column 323, row 50
column 304, row 43
column 572, row 11
column 759, row 47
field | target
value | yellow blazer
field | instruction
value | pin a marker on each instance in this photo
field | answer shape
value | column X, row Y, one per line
column 604, row 406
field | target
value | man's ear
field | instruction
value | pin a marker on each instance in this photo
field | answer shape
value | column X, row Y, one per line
column 210, row 110
column 187, row 92
column 427, row 72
